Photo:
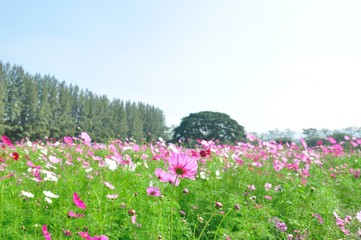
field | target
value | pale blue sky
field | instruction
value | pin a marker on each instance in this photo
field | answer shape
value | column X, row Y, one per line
column 268, row 64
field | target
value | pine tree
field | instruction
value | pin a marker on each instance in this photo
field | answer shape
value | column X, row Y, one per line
column 29, row 111
column 3, row 94
column 43, row 115
column 14, row 104
column 86, row 111
column 135, row 121
column 65, row 120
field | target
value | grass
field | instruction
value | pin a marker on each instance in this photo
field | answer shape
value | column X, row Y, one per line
column 227, row 200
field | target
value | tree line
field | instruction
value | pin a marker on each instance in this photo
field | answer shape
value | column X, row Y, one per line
column 37, row 106
column 312, row 136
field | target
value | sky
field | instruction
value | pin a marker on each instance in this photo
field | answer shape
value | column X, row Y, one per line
column 267, row 64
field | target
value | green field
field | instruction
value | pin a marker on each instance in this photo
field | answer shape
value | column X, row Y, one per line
column 255, row 190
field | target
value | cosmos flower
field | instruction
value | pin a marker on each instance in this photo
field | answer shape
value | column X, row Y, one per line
column 86, row 139
column 358, row 216
column 112, row 196
column 78, row 202
column 15, row 155
column 72, row 214
column 109, row 185
column 27, row 194
column 267, row 186
column 6, row 141
column 112, row 165
column 46, row 234
column 50, row 194
column 164, row 176
column 183, row 165
column 68, row 140
column 153, row 191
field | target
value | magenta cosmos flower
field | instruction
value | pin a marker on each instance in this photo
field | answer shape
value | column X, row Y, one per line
column 78, row 202
column 153, row 191
column 183, row 165
column 46, row 234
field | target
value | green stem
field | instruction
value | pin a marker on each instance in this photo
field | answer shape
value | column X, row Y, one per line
column 99, row 207
column 171, row 217
column 219, row 225
column 2, row 201
column 194, row 230
column 205, row 225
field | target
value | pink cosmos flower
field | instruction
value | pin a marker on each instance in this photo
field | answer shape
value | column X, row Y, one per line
column 161, row 175
column 30, row 164
column 318, row 217
column 6, row 141
column 267, row 186
column 173, row 179
column 54, row 159
column 78, row 202
column 251, row 187
column 153, row 191
column 164, row 176
column 45, row 232
column 36, row 174
column 281, row 226
column 183, row 165
column 86, row 139
column 86, row 235
column 134, row 221
column 68, row 140
column 72, row 214
column 268, row 197
column 102, row 237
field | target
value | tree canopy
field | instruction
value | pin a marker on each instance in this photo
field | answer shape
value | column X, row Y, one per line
column 208, row 125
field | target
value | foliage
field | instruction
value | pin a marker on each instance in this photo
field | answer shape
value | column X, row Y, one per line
column 209, row 126
column 255, row 190
column 285, row 136
column 39, row 106
column 314, row 137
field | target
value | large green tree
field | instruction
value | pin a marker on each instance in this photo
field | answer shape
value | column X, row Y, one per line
column 312, row 136
column 209, row 126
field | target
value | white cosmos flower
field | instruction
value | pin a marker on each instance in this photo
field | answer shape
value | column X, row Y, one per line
column 48, row 200
column 109, row 185
column 50, row 194
column 27, row 194
column 44, row 151
column 203, row 175
column 112, row 196
column 132, row 167
column 54, row 159
column 173, row 148
column 50, row 176
column 218, row 174
column 112, row 165
column 358, row 216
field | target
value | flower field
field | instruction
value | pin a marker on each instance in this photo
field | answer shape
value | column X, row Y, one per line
column 77, row 189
